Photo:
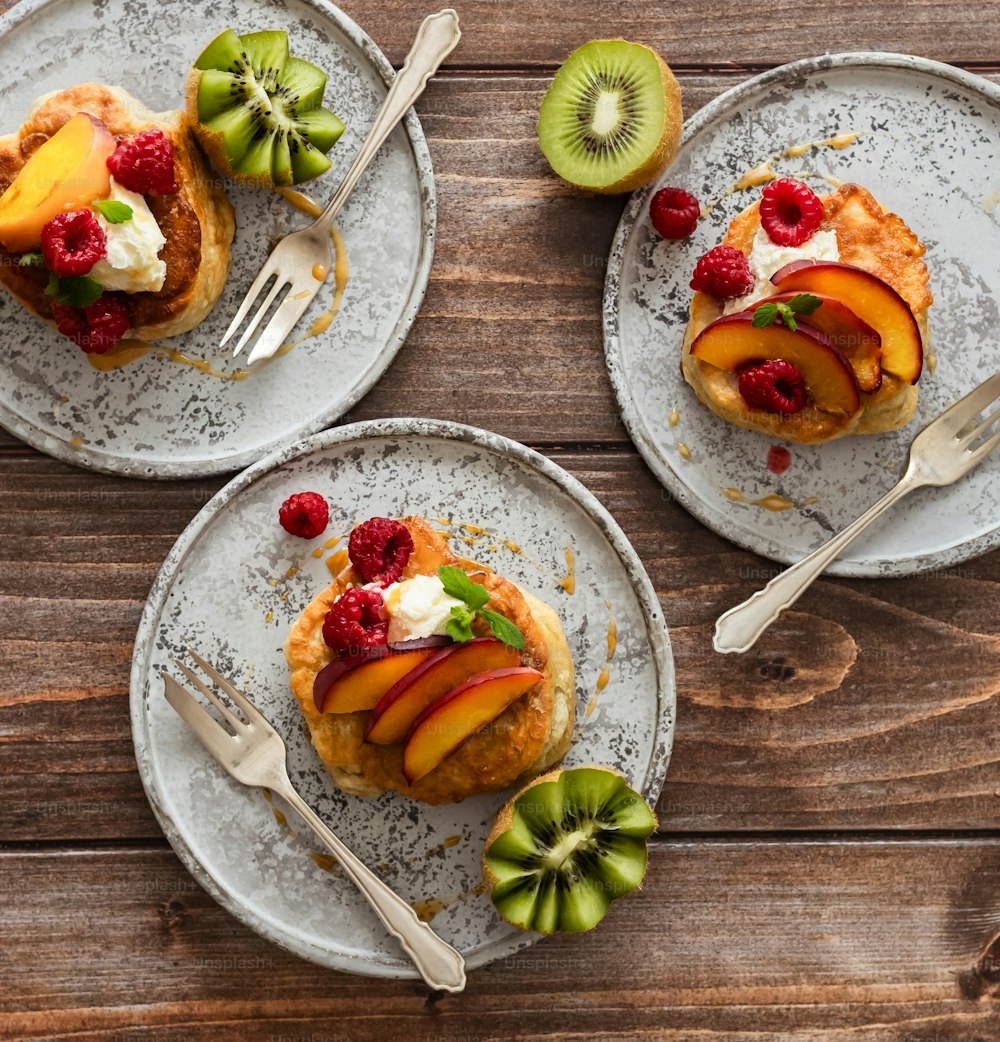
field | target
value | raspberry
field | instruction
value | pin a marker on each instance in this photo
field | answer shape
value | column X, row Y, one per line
column 97, row 328
column 145, row 163
column 379, row 549
column 674, row 213
column 357, row 620
column 72, row 243
column 724, row 273
column 774, row 386
column 305, row 514
column 790, row 211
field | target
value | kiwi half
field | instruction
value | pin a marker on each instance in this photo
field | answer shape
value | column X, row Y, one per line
column 611, row 119
column 565, row 847
column 256, row 110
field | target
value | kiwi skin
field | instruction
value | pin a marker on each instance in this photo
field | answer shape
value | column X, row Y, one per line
column 505, row 818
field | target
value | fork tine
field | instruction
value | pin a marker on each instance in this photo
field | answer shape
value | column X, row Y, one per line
column 254, row 715
column 981, row 428
column 980, row 451
column 234, row 721
column 957, row 415
column 289, row 312
column 279, row 283
column 210, row 732
column 252, row 294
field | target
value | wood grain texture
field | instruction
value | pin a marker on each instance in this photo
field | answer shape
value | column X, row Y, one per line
column 728, row 941
column 873, row 705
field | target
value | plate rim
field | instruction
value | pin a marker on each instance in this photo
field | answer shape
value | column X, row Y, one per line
column 104, row 462
column 649, row 604
column 715, row 517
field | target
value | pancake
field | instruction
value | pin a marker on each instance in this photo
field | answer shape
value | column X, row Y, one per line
column 869, row 237
column 197, row 221
column 529, row 737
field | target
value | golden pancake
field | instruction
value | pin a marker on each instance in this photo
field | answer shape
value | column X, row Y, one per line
column 868, row 237
column 530, row 736
column 197, row 221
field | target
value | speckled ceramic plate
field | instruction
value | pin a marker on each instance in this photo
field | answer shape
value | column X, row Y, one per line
column 930, row 135
column 235, row 582
column 160, row 418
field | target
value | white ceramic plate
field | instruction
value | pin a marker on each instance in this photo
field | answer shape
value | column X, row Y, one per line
column 931, row 134
column 157, row 418
column 227, row 588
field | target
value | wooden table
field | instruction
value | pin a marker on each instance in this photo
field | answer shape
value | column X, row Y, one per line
column 829, row 861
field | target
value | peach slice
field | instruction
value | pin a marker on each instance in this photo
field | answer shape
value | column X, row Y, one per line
column 353, row 683
column 872, row 300
column 856, row 339
column 445, row 724
column 732, row 341
column 67, row 172
column 394, row 715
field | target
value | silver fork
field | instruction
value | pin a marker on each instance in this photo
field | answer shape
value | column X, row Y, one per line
column 255, row 755
column 944, row 451
column 293, row 261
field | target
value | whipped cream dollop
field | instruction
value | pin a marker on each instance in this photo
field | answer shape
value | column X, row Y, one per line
column 418, row 607
column 132, row 264
column 767, row 257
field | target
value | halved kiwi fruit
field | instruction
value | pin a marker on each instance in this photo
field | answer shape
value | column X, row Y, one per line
column 256, row 110
column 611, row 119
column 565, row 847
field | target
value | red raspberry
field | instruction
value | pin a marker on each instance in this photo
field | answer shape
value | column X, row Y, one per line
column 357, row 620
column 774, row 386
column 305, row 514
column 72, row 243
column 723, row 273
column 379, row 549
column 97, row 328
column 790, row 211
column 674, row 213
column 145, row 163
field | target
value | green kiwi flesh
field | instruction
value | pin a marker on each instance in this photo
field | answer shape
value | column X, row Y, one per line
column 611, row 117
column 257, row 109
column 569, row 845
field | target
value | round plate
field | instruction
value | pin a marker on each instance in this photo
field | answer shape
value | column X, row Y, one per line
column 930, row 134
column 157, row 418
column 235, row 582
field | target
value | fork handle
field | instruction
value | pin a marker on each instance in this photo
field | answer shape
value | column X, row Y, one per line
column 740, row 627
column 439, row 964
column 436, row 39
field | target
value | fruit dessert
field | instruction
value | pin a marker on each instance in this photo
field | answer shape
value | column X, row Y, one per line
column 611, row 119
column 809, row 321
column 423, row 672
column 110, row 222
column 256, row 110
column 565, row 847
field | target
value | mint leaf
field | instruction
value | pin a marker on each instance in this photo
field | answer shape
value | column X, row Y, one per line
column 113, row 211
column 459, row 626
column 457, row 584
column 787, row 316
column 804, row 303
column 502, row 628
column 76, row 292
column 31, row 260
column 764, row 315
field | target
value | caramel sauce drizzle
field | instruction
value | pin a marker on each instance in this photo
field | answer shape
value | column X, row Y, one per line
column 776, row 504
column 605, row 675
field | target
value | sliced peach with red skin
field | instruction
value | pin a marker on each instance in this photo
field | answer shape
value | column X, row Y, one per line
column 65, row 173
column 395, row 714
column 353, row 683
column 872, row 300
column 856, row 339
column 732, row 342
column 445, row 724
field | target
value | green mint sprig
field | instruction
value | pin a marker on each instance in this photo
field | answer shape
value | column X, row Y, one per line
column 113, row 211
column 800, row 304
column 475, row 598
column 31, row 260
column 76, row 291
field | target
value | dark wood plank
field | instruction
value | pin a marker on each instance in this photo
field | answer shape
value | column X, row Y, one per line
column 729, row 941
column 874, row 705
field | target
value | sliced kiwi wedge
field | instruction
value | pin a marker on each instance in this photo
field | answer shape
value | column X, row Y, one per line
column 565, row 847
column 257, row 111
column 611, row 119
